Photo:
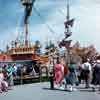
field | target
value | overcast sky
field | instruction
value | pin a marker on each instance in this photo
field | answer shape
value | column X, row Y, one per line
column 86, row 28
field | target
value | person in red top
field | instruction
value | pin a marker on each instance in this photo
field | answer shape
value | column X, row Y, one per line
column 58, row 72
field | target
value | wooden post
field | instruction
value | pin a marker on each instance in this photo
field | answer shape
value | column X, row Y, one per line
column 21, row 78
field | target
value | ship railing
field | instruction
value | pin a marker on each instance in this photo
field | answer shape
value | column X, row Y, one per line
column 28, row 78
column 21, row 50
column 38, row 77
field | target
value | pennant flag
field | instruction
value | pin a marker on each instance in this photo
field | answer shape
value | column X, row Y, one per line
column 65, row 44
column 68, row 34
column 69, row 23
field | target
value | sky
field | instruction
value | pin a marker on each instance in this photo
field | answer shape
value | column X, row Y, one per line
column 52, row 13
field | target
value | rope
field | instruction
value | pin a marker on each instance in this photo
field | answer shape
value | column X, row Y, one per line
column 41, row 17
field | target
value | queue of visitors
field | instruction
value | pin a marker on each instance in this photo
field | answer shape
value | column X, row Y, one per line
column 86, row 73
column 66, row 75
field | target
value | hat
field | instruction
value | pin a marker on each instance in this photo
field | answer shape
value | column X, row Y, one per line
column 98, row 61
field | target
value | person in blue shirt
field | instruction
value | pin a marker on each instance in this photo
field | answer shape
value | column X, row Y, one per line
column 9, row 69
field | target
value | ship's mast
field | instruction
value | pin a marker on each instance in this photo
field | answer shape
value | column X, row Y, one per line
column 68, row 23
column 26, row 34
column 68, row 15
column 66, row 42
column 28, row 4
column 67, row 34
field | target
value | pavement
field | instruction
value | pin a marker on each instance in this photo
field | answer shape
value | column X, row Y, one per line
column 41, row 91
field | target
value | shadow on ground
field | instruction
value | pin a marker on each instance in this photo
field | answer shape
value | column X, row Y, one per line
column 56, row 89
column 81, row 89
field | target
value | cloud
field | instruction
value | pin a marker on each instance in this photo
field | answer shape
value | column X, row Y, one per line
column 87, row 25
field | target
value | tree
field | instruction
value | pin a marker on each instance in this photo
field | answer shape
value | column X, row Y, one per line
column 84, row 52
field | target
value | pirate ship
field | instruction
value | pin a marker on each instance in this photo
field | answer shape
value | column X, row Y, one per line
column 23, row 52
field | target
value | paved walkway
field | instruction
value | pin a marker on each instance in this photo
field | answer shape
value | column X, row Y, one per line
column 40, row 91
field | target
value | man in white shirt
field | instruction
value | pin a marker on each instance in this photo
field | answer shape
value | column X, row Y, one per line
column 87, row 71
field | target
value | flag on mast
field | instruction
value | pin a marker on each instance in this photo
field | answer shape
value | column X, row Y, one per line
column 69, row 23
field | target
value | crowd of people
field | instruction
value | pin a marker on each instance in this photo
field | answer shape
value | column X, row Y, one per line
column 10, row 71
column 69, row 75
column 64, row 74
